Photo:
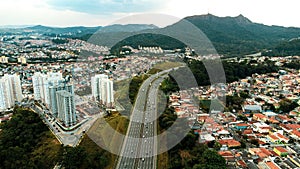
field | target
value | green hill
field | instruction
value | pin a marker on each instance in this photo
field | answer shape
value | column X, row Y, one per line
column 285, row 48
column 238, row 35
column 231, row 36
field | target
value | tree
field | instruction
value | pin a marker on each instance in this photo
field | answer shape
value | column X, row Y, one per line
column 244, row 95
column 213, row 160
column 169, row 85
column 23, row 141
column 242, row 117
column 217, row 146
column 287, row 105
column 73, row 157
column 189, row 141
column 254, row 142
column 243, row 144
column 211, row 144
column 234, row 101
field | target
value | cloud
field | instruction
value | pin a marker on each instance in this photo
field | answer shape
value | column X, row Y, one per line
column 102, row 12
column 105, row 7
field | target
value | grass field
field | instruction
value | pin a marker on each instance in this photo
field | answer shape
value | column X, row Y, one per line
column 162, row 159
column 121, row 88
column 109, row 138
column 122, row 95
column 167, row 65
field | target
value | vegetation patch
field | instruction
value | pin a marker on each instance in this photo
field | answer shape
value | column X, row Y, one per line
column 26, row 142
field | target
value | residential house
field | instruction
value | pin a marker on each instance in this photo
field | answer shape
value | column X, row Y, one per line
column 282, row 152
column 241, row 126
column 261, row 128
column 259, row 117
column 231, row 143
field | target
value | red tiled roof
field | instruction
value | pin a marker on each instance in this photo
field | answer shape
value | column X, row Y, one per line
column 225, row 153
column 271, row 165
column 273, row 120
column 281, row 149
column 296, row 133
column 261, row 142
column 242, row 125
column 274, row 154
column 249, row 131
column 281, row 136
column 259, row 116
column 283, row 117
column 242, row 163
column 265, row 151
column 230, row 143
column 273, row 137
column 293, row 126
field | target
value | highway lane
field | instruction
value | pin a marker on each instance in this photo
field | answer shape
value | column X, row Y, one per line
column 140, row 146
column 149, row 146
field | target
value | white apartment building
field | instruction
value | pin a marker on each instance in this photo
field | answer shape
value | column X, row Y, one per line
column 10, row 91
column 42, row 82
column 66, row 108
column 102, row 90
column 53, row 96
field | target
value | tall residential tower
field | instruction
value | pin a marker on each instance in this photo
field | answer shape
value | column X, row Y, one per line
column 66, row 108
column 10, row 91
column 102, row 90
column 42, row 82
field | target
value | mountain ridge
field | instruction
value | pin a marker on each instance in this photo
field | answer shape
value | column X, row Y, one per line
column 231, row 36
column 239, row 35
column 79, row 30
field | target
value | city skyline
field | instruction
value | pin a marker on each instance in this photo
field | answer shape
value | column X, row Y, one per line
column 104, row 12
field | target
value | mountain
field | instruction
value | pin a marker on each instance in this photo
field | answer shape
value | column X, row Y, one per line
column 127, row 28
column 79, row 30
column 14, row 26
column 285, row 48
column 55, row 30
column 231, row 36
column 51, row 31
column 239, row 35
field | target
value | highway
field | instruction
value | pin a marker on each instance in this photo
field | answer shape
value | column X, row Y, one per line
column 139, row 147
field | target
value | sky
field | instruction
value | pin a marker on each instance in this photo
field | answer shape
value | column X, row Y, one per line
column 61, row 13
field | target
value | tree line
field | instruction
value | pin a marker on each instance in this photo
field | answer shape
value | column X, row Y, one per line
column 26, row 142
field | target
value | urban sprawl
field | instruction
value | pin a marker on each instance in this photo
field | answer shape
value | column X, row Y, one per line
column 71, row 95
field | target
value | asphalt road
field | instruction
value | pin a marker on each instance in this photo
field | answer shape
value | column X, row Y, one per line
column 140, row 146
column 71, row 138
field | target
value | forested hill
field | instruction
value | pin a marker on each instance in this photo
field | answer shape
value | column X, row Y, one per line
column 285, row 48
column 231, row 36
column 239, row 35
